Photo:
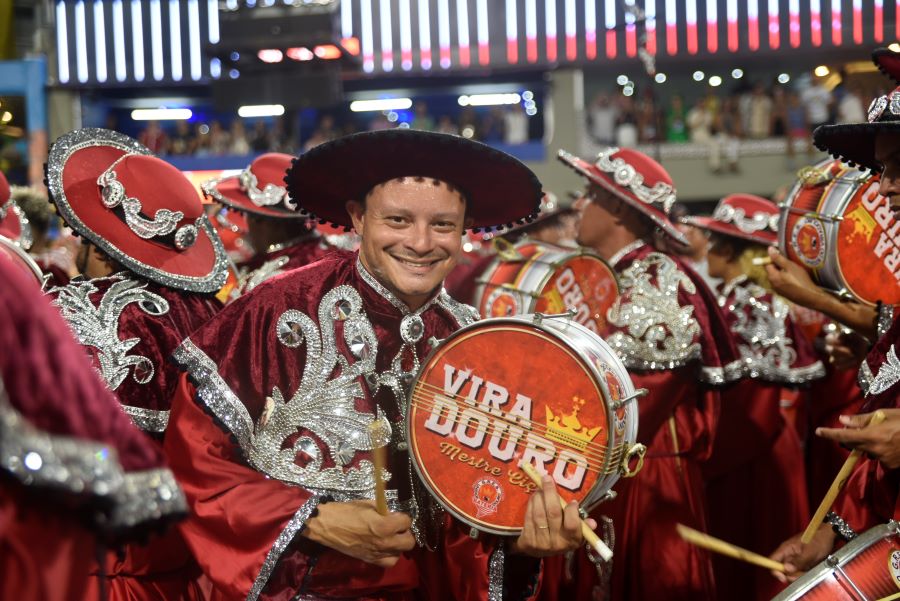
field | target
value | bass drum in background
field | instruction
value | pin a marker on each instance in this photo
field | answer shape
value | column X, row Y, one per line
column 536, row 277
column 835, row 224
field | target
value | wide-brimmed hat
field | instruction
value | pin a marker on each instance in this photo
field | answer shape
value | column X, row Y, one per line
column 500, row 190
column 258, row 189
column 635, row 178
column 138, row 209
column 854, row 143
column 745, row 216
column 888, row 62
column 13, row 223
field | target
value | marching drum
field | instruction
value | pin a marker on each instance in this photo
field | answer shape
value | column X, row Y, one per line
column 867, row 568
column 836, row 224
column 536, row 277
column 532, row 388
column 21, row 259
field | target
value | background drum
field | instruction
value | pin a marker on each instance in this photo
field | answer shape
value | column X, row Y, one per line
column 836, row 224
column 536, row 277
column 501, row 391
column 868, row 567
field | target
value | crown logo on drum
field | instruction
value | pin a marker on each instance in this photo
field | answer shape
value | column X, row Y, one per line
column 568, row 429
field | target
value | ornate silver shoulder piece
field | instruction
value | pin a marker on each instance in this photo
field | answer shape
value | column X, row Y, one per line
column 463, row 314
column 97, row 326
column 656, row 332
column 252, row 279
column 888, row 374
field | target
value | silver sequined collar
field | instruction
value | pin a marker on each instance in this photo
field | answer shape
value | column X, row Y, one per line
column 389, row 296
column 625, row 250
column 729, row 287
column 65, row 147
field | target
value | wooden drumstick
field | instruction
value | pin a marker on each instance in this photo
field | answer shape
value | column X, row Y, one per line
column 761, row 261
column 379, row 459
column 716, row 545
column 890, row 597
column 839, row 481
column 589, row 535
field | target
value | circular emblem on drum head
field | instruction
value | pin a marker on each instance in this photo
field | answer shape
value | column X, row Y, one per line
column 808, row 241
column 486, row 494
column 502, row 303
column 894, row 566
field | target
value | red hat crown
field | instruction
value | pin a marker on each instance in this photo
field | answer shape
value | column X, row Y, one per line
column 748, row 213
column 639, row 176
column 263, row 180
column 131, row 188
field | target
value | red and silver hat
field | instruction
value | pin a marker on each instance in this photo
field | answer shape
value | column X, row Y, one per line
column 635, row 178
column 888, row 62
column 140, row 210
column 744, row 216
column 258, row 189
column 13, row 223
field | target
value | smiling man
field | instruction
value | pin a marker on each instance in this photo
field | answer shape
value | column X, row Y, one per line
column 272, row 425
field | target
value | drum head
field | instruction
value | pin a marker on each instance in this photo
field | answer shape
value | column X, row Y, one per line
column 478, row 409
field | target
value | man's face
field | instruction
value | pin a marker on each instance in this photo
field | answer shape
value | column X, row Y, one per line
column 887, row 152
column 411, row 230
column 596, row 207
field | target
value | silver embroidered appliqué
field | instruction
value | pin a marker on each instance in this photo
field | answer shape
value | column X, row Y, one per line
column 98, row 326
column 888, row 374
column 323, row 403
column 657, row 332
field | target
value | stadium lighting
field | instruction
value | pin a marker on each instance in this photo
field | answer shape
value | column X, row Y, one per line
column 822, row 71
column 260, row 110
column 489, row 99
column 382, row 104
column 270, row 55
column 161, row 114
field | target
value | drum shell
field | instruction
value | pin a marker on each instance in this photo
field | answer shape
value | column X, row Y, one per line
column 524, row 283
column 833, row 213
column 868, row 567
column 592, row 356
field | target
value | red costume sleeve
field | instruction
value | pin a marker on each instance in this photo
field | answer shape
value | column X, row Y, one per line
column 238, row 514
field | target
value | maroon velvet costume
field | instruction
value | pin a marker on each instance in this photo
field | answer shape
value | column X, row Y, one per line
column 660, row 296
column 291, row 255
column 756, row 470
column 56, row 412
column 130, row 327
column 271, row 420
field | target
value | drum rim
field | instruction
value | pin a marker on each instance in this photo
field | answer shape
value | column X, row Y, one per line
column 25, row 257
column 517, row 320
column 821, row 570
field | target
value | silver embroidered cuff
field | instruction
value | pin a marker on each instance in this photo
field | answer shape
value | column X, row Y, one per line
column 148, row 420
column 840, row 526
column 146, row 496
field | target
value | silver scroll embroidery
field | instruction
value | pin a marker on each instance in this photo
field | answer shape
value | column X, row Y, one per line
column 113, row 195
column 252, row 279
column 98, row 326
column 888, row 374
column 657, row 332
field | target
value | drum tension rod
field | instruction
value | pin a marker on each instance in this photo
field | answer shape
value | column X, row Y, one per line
column 539, row 317
column 631, row 397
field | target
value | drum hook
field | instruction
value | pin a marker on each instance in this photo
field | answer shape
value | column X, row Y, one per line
column 637, row 450
column 537, row 318
column 631, row 397
column 506, row 250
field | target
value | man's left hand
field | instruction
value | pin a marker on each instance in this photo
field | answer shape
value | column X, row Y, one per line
column 549, row 530
column 882, row 441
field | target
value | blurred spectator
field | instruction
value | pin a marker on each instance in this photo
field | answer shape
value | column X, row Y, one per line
column 446, row 125
column 491, row 129
column 380, row 121
column 468, row 124
column 240, row 145
column 260, row 141
column 797, row 125
column 760, row 121
column 779, row 125
column 851, row 108
column 181, row 142
column 200, row 146
column 154, row 138
column 676, row 121
column 421, row 119
column 51, row 255
column 818, row 103
column 700, row 122
column 602, row 119
column 327, row 130
column 219, row 141
column 515, row 123
column 726, row 135
column 626, row 124
column 647, row 117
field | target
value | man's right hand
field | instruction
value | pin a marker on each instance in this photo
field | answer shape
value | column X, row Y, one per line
column 358, row 530
column 798, row 558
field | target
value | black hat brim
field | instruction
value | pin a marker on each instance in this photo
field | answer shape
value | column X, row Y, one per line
column 888, row 62
column 854, row 143
column 500, row 190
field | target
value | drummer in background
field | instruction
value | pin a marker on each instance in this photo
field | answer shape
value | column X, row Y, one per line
column 51, row 255
column 757, row 463
column 281, row 238
column 151, row 263
column 13, row 223
column 668, row 330
column 694, row 253
column 271, row 420
column 555, row 224
column 871, row 493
